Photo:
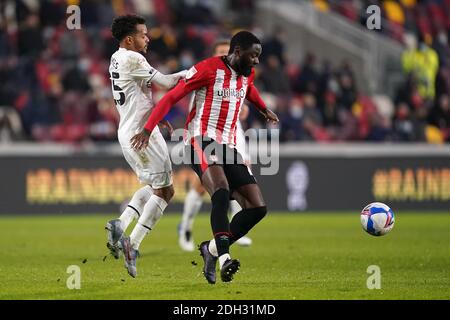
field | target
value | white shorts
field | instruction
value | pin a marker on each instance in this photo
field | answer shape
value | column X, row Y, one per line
column 152, row 165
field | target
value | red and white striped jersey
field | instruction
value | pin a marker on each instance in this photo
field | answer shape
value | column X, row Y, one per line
column 216, row 104
column 219, row 95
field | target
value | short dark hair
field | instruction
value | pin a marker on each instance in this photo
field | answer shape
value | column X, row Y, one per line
column 243, row 39
column 125, row 25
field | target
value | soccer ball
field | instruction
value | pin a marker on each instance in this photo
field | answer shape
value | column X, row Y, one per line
column 377, row 219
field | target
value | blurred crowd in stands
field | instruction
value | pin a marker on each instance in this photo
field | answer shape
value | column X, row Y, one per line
column 54, row 82
column 420, row 109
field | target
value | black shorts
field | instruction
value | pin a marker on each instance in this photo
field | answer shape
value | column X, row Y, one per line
column 205, row 152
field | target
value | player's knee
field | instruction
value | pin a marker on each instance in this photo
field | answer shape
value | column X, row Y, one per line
column 222, row 187
column 141, row 197
column 216, row 186
column 165, row 193
column 170, row 192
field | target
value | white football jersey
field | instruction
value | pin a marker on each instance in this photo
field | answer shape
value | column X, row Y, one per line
column 131, row 76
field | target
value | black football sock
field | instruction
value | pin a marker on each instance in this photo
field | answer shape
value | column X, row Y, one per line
column 244, row 221
column 219, row 220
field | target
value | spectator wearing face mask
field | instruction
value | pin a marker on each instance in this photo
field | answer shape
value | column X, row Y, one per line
column 291, row 121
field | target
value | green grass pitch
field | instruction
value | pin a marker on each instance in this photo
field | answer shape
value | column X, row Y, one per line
column 293, row 256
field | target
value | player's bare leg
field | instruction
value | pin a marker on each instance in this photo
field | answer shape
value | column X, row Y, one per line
column 153, row 211
column 192, row 205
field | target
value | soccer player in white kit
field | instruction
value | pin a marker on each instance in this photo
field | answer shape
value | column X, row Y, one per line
column 194, row 201
column 131, row 78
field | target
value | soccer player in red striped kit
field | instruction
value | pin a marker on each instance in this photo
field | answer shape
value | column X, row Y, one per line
column 221, row 84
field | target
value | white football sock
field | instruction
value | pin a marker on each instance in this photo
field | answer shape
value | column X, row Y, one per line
column 212, row 248
column 192, row 205
column 153, row 211
column 135, row 206
column 234, row 207
column 223, row 258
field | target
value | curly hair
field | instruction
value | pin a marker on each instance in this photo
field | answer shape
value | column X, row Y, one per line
column 125, row 25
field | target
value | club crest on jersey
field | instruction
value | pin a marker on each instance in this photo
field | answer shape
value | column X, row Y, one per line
column 227, row 93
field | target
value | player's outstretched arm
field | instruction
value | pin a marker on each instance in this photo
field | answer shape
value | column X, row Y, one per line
column 143, row 70
column 168, row 81
column 140, row 140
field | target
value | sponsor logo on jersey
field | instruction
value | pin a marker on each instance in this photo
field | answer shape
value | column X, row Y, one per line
column 226, row 93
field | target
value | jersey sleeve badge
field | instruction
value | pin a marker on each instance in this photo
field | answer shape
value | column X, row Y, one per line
column 191, row 72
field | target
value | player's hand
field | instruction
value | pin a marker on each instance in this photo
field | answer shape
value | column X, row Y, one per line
column 183, row 74
column 166, row 124
column 140, row 140
column 270, row 116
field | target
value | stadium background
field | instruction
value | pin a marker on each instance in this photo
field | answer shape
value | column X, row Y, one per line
column 365, row 114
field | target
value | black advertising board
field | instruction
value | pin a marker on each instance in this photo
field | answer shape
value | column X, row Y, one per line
column 94, row 184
